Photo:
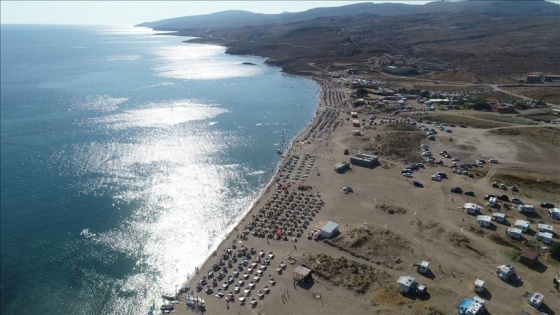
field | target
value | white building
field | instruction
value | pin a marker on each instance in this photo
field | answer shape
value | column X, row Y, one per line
column 407, row 283
column 514, row 233
column 329, row 229
column 522, row 225
column 484, row 220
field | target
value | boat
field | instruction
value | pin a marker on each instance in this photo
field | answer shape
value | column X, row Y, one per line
column 279, row 151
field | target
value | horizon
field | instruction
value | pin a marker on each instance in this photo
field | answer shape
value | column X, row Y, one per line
column 137, row 12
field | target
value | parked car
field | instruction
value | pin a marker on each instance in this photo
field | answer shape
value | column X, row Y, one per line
column 455, row 159
column 495, row 185
column 513, row 188
column 503, row 198
column 469, row 193
column 487, row 197
column 493, row 161
column 517, row 201
column 457, row 190
column 409, row 175
column 547, row 205
column 347, row 189
column 437, row 178
column 503, row 186
column 417, row 184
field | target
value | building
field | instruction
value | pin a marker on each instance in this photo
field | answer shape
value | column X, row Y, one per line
column 365, row 160
column 329, row 229
column 535, row 77
column 479, row 286
column 529, row 257
column 401, row 70
column 407, row 284
column 484, row 220
column 522, row 225
column 551, row 78
column 302, row 273
column 503, row 108
column 514, row 233
column 474, row 306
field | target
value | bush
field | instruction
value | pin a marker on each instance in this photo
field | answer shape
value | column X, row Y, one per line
column 555, row 250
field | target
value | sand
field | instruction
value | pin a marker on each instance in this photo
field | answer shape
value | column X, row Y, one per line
column 407, row 224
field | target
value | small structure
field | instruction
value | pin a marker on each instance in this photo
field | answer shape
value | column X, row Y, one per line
column 545, row 237
column 514, row 233
column 522, row 225
column 341, row 167
column 527, row 209
column 407, row 284
column 302, row 273
column 536, row 300
column 472, row 208
column 329, row 229
column 505, row 272
column 356, row 123
column 479, row 286
column 529, row 257
column 545, row 228
column 492, row 201
column 474, row 306
column 484, row 220
column 365, row 160
column 423, row 266
column 499, row 217
column 554, row 213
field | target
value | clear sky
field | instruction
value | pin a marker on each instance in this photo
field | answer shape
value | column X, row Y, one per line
column 135, row 12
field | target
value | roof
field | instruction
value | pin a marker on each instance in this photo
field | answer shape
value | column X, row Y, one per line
column 406, row 280
column 479, row 282
column 330, row 227
column 470, row 206
column 498, row 214
column 521, row 223
column 302, row 271
column 529, row 254
column 545, row 235
column 483, row 218
column 513, row 230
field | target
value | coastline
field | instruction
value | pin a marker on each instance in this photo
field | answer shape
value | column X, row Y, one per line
column 294, row 147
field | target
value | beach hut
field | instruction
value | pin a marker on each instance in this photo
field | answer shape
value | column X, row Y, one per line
column 499, row 217
column 474, row 306
column 514, row 233
column 545, row 237
column 329, row 229
column 522, row 225
column 484, row 220
column 529, row 257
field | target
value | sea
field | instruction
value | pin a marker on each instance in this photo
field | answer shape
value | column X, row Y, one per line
column 126, row 157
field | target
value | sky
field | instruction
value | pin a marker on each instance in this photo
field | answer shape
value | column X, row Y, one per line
column 136, row 12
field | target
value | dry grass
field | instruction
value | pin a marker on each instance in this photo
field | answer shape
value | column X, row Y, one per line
column 391, row 209
column 549, row 135
column 397, row 145
column 530, row 181
column 463, row 120
column 538, row 92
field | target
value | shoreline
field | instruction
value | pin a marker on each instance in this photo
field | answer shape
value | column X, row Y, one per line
column 262, row 197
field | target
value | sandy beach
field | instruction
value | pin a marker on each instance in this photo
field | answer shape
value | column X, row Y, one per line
column 386, row 224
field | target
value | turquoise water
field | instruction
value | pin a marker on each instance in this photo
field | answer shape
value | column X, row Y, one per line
column 155, row 146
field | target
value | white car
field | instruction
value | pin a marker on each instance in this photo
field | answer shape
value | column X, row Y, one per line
column 436, row 178
column 493, row 161
column 455, row 159
column 407, row 175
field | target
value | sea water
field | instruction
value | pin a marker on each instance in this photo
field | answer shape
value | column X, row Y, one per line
column 125, row 158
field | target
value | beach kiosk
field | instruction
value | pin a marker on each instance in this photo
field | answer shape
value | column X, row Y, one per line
column 329, row 229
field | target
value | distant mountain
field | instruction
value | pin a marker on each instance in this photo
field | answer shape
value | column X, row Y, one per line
column 238, row 18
